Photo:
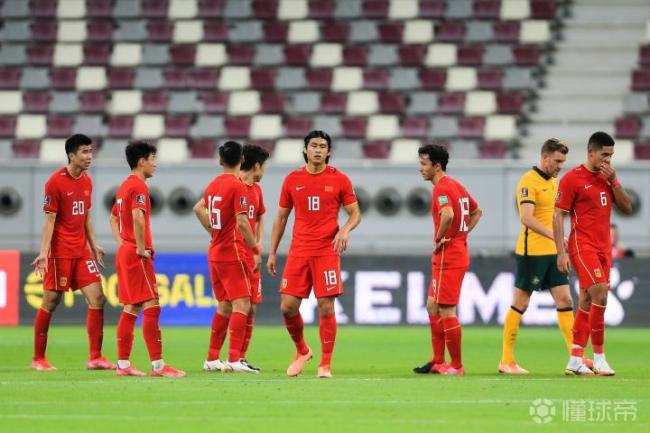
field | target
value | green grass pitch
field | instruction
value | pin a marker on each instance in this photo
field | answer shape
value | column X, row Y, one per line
column 373, row 389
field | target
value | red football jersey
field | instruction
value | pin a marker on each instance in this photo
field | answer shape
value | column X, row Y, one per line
column 70, row 199
column 450, row 192
column 225, row 197
column 316, row 199
column 588, row 197
column 255, row 207
column 133, row 194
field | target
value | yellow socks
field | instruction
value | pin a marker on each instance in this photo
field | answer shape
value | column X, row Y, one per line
column 565, row 323
column 510, row 331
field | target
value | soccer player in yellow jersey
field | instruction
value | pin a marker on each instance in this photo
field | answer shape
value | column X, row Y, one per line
column 536, row 253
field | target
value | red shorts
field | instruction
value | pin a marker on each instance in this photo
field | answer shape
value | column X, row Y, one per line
column 592, row 268
column 323, row 273
column 65, row 274
column 136, row 278
column 230, row 280
column 256, row 282
column 445, row 285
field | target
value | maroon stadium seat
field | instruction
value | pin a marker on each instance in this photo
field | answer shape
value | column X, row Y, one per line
column 276, row 31
column 509, row 103
column 319, row 79
column 44, row 30
column 392, row 103
column 526, row 55
column 9, row 78
column 155, row 101
column 176, row 78
column 375, row 8
column 36, row 101
column 506, row 31
column 92, row 102
column 390, row 32
column 7, row 126
column 470, row 55
column 265, row 8
column 493, row 150
column 238, row 127
column 241, row 54
column 263, row 78
column 121, row 78
column 334, row 31
column 120, row 126
column 642, row 150
column 297, row 55
column 432, row 8
column 412, row 55
column 542, row 9
column 375, row 78
column 471, row 127
column 322, row 8
column 376, row 149
column 203, row 148
column 43, row 8
column 355, row 55
column 154, row 8
column 273, row 102
column 182, row 54
column 334, row 102
column 433, row 78
column 297, row 126
column 628, row 127
column 451, row 103
column 487, row 9
column 97, row 54
column 641, row 80
column 202, row 78
column 450, row 31
column 26, row 148
column 490, row 79
column 210, row 8
column 215, row 31
column 415, row 127
column 99, row 8
column 160, row 30
column 59, row 126
column 644, row 55
column 215, row 102
column 40, row 54
column 63, row 78
column 354, row 127
column 100, row 30
column 178, row 126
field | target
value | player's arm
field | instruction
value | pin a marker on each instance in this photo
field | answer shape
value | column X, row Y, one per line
column 201, row 213
column 247, row 232
column 259, row 234
column 138, row 231
column 40, row 263
column 558, row 236
column 528, row 219
column 622, row 199
column 115, row 229
column 446, row 217
column 474, row 218
column 98, row 251
column 342, row 238
column 279, row 224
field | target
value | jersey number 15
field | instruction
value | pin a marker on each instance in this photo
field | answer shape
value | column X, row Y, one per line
column 214, row 213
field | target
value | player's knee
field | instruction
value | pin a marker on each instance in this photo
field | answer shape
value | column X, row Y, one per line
column 225, row 308
column 326, row 310
column 97, row 301
column 50, row 302
column 564, row 302
column 289, row 309
column 521, row 305
column 432, row 308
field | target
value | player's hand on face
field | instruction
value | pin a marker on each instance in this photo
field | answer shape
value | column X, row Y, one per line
column 271, row 263
column 563, row 263
column 340, row 241
column 146, row 254
column 608, row 171
column 40, row 265
column 99, row 256
column 258, row 262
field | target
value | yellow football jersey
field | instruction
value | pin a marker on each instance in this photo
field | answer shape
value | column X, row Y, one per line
column 538, row 188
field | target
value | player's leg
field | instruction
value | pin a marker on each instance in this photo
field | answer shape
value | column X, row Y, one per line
column 435, row 364
column 327, row 333
column 95, row 326
column 153, row 339
column 598, row 293
column 218, row 332
column 576, row 365
column 125, row 328
column 565, row 319
column 49, row 302
column 453, row 339
column 520, row 301
column 250, row 324
column 240, row 309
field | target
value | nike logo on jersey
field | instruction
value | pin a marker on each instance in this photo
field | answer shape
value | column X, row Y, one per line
column 587, row 186
column 330, row 288
column 70, row 193
column 298, row 188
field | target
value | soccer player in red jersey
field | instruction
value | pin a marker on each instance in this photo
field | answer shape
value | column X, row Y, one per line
column 223, row 212
column 316, row 192
column 65, row 262
column 587, row 193
column 455, row 214
column 136, row 278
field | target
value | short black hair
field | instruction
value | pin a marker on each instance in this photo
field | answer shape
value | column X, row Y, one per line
column 74, row 142
column 318, row 134
column 138, row 149
column 230, row 153
column 437, row 154
column 598, row 140
column 253, row 154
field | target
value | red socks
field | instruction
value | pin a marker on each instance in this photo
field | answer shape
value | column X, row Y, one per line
column 151, row 332
column 597, row 327
column 125, row 335
column 327, row 328
column 218, row 335
column 95, row 329
column 580, row 333
column 41, row 326
column 250, row 323
column 237, row 335
column 295, row 327
column 437, row 339
column 453, row 336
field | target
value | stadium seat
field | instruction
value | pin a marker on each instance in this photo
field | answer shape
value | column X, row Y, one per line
column 244, row 102
column 487, row 9
column 471, row 127
column 375, row 8
column 131, row 31
column 347, row 78
column 411, row 55
column 354, row 127
column 203, row 148
column 471, row 55
column 99, row 8
column 92, row 102
column 296, row 126
column 299, row 55
column 154, row 8
column 348, row 149
column 382, row 127
column 234, row 78
column 126, row 54
column 500, row 127
column 26, row 148
column 515, row 9
column 288, row 151
column 210, row 54
column 451, row 103
column 182, row 9
column 120, row 126
column 422, row 102
column 275, row 31
column 450, row 31
column 99, row 30
column 390, row 32
column 148, row 126
column 362, row 102
column 160, row 30
column 506, row 31
column 417, row 32
column 402, row 9
column 628, row 127
column 172, row 150
column 526, row 55
column 326, row 55
column 7, row 126
column 441, row 55
column 10, row 78
column 96, row 54
column 207, row 126
column 64, row 102
column 433, row 79
column 543, row 9
column 509, row 103
column 182, row 54
column 403, row 78
column 480, row 103
column 301, row 32
column 188, row 31
column 334, row 31
column 238, row 127
column 265, row 8
column 535, row 32
column 215, row 31
column 432, row 8
column 71, row 31
column 31, row 126
column 414, row 127
column 63, row 78
column 355, row 55
column 37, row 54
column 461, row 78
column 266, row 127
column 273, row 102
column 493, row 150
column 125, row 102
column 44, row 30
column 36, row 101
column 178, row 126
column 319, row 79
column 404, row 150
column 392, row 102
column 642, row 150
column 641, row 80
column 176, row 78
column 210, row 8
column 59, row 126
column 11, row 102
column 333, row 102
column 376, row 149
column 214, row 102
column 375, row 79
column 490, row 79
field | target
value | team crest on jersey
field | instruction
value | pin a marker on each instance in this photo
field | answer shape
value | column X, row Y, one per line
column 535, row 280
column 47, row 200
column 597, row 273
column 524, row 192
column 63, row 281
column 443, row 199
column 243, row 201
column 329, row 188
column 139, row 199
column 284, row 283
column 86, row 192
column 558, row 196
